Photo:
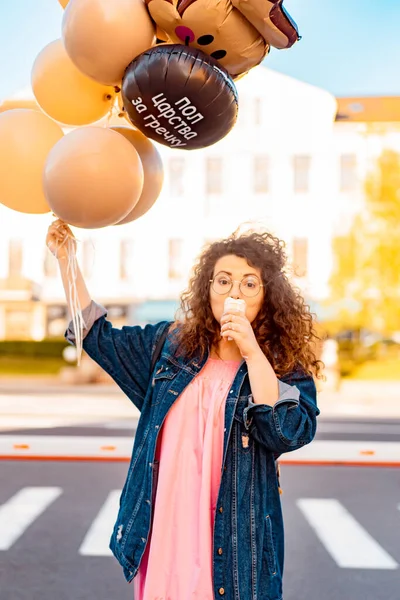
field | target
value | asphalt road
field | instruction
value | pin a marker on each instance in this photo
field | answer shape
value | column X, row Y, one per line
column 342, row 532
column 328, row 429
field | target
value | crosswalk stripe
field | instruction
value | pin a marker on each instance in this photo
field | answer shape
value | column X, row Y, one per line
column 349, row 544
column 21, row 510
column 98, row 536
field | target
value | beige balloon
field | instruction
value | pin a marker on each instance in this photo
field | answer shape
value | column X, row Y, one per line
column 103, row 37
column 64, row 93
column 19, row 103
column 152, row 168
column 26, row 138
column 93, row 178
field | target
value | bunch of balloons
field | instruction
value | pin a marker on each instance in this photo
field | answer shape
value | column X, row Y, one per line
column 166, row 66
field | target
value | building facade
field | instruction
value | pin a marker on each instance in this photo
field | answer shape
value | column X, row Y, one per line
column 281, row 168
column 365, row 127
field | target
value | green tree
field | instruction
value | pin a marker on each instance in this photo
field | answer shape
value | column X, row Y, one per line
column 367, row 259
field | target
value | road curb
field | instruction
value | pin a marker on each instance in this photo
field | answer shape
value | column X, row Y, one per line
column 109, row 448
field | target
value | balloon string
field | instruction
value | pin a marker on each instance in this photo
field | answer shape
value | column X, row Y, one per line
column 74, row 304
column 113, row 112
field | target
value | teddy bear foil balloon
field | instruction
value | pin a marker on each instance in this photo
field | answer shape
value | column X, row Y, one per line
column 181, row 92
column 237, row 33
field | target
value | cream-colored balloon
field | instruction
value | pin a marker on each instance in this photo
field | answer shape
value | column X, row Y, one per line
column 102, row 37
column 93, row 178
column 26, row 138
column 64, row 93
column 63, row 3
column 152, row 168
column 19, row 103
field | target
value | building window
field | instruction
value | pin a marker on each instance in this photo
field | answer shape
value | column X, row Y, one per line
column 261, row 174
column 175, row 253
column 176, row 173
column 15, row 256
column 348, row 172
column 88, row 258
column 126, row 259
column 258, row 111
column 300, row 256
column 214, row 175
column 301, row 166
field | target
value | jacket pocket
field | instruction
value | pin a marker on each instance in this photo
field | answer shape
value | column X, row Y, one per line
column 162, row 380
column 165, row 371
column 269, row 549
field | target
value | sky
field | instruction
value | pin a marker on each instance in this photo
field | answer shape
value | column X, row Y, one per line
column 348, row 47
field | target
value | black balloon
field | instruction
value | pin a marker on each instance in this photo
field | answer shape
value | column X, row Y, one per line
column 179, row 97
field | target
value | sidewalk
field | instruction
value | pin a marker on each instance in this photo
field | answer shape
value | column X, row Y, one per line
column 35, row 400
column 36, row 404
column 52, row 385
column 362, row 399
column 40, row 404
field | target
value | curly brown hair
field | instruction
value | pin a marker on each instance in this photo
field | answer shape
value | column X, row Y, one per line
column 284, row 327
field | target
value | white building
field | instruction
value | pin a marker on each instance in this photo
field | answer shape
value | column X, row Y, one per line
column 278, row 168
column 364, row 128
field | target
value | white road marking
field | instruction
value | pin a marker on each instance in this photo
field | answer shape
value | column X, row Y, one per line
column 348, row 543
column 120, row 447
column 97, row 539
column 341, row 451
column 59, row 446
column 21, row 510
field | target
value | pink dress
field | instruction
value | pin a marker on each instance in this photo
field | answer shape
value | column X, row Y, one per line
column 177, row 563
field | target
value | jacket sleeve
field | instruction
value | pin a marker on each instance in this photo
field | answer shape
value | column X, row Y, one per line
column 291, row 423
column 125, row 354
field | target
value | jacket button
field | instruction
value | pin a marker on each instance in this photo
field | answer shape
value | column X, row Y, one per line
column 221, row 591
column 221, row 510
column 220, row 551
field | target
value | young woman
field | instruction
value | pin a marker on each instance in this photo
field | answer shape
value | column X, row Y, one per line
column 200, row 514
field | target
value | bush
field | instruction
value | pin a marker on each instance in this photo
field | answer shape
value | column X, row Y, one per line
column 30, row 349
column 25, row 366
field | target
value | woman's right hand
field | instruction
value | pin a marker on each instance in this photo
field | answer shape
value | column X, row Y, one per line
column 57, row 239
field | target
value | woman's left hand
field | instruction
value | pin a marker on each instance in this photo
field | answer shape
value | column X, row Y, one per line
column 236, row 326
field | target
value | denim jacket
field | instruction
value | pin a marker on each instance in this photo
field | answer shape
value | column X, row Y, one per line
column 248, row 540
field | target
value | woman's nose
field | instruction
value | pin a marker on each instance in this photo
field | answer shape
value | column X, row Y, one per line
column 235, row 291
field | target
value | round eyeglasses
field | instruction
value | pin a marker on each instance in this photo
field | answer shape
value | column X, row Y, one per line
column 250, row 285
